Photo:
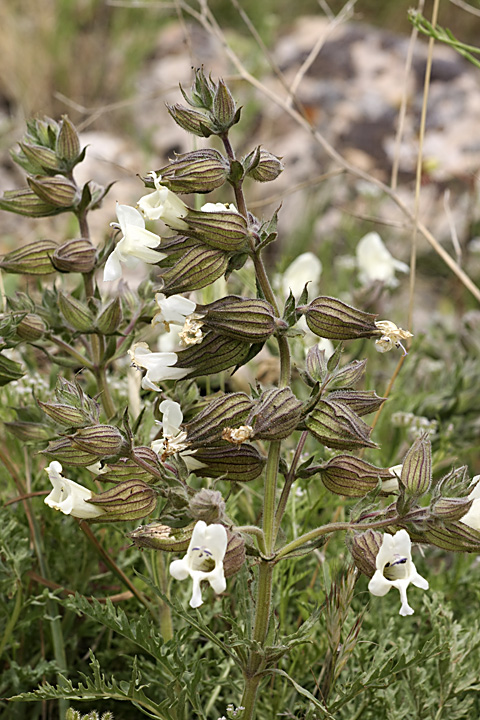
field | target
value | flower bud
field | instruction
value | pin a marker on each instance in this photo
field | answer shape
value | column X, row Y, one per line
column 125, row 468
column 67, row 453
column 129, row 500
column 57, row 191
column 9, row 370
column 207, row 505
column 333, row 319
column 348, row 375
column 224, row 108
column 223, row 230
column 225, row 411
column 452, row 535
column 416, row 474
column 199, row 171
column 235, row 464
column 67, row 146
column 276, row 414
column 191, row 120
column 110, row 318
column 351, row 476
column 65, row 414
column 31, row 327
column 75, row 256
column 71, row 393
column 26, row 202
column 249, row 319
column 42, row 159
column 28, row 431
column 264, row 166
column 362, row 402
column 451, row 508
column 76, row 314
column 157, row 536
column 31, row 259
column 198, row 267
column 316, row 364
column 214, row 354
column 364, row 549
column 336, row 426
column 234, row 555
column 100, row 440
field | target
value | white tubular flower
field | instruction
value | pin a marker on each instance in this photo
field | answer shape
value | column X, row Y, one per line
column 219, row 207
column 472, row 517
column 174, row 439
column 393, row 484
column 396, row 569
column 391, row 336
column 376, row 263
column 68, row 496
column 159, row 365
column 306, row 268
column 135, row 245
column 163, row 204
column 203, row 561
column 172, row 310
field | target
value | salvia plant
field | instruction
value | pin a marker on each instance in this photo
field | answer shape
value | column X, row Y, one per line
column 165, row 303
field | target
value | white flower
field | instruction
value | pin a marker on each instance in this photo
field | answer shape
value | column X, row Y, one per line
column 376, row 263
column 391, row 336
column 392, row 485
column 396, row 569
column 174, row 439
column 163, row 204
column 68, row 496
column 305, row 268
column 203, row 561
column 159, row 365
column 472, row 517
column 135, row 245
column 219, row 207
column 174, row 309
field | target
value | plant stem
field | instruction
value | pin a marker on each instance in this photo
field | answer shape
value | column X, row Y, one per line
column 289, row 480
column 160, row 579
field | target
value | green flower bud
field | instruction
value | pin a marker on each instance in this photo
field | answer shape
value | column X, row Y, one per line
column 224, row 230
column 65, row 414
column 226, row 411
column 26, row 202
column 199, row 171
column 100, row 440
column 110, row 318
column 351, row 476
column 234, row 555
column 416, row 474
column 362, row 402
column 236, row 464
column 129, row 500
column 125, row 468
column 41, row 157
column 67, row 146
column 250, row 319
column 191, row 120
column 31, row 327
column 224, row 108
column 348, row 375
column 75, row 256
column 214, row 354
column 199, row 267
column 336, row 426
column 57, row 191
column 9, row 370
column 71, row 393
column 364, row 549
column 31, row 259
column 67, row 453
column 333, row 319
column 275, row 415
column 316, row 364
column 451, row 508
column 262, row 166
column 452, row 535
column 207, row 505
column 76, row 314
column 157, row 536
